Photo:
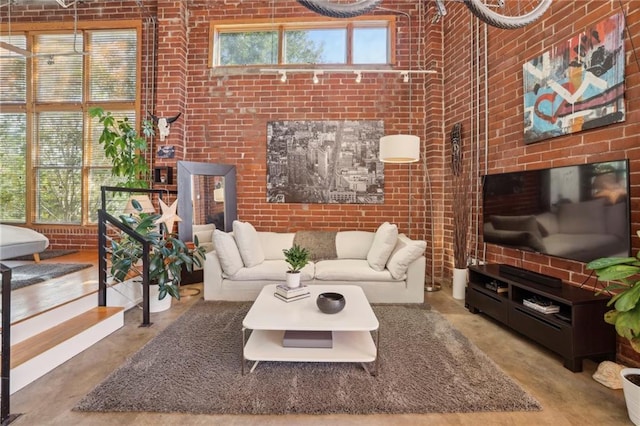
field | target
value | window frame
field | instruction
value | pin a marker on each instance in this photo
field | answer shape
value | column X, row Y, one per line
column 32, row 109
column 379, row 21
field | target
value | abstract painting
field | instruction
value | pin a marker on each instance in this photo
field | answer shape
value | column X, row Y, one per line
column 327, row 162
column 578, row 84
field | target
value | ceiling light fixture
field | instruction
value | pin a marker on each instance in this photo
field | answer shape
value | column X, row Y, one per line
column 358, row 72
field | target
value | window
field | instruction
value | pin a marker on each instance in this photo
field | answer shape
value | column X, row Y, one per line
column 341, row 42
column 52, row 163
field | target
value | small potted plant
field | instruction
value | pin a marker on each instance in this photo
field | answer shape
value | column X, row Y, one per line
column 297, row 257
column 624, row 272
column 167, row 257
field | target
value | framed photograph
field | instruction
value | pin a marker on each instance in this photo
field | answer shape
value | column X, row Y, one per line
column 324, row 162
column 166, row 151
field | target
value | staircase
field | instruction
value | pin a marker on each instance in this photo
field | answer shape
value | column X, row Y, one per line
column 44, row 341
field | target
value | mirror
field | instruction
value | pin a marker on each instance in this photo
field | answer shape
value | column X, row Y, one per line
column 206, row 194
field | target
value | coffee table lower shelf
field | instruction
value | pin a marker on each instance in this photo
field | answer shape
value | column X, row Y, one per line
column 348, row 346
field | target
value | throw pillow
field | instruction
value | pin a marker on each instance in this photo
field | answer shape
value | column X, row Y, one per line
column 383, row 244
column 227, row 252
column 405, row 252
column 320, row 244
column 248, row 243
column 203, row 232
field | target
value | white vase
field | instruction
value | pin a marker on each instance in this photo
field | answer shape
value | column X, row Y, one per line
column 156, row 305
column 459, row 282
column 293, row 279
column 631, row 395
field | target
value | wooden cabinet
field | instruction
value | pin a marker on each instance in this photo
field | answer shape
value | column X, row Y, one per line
column 576, row 332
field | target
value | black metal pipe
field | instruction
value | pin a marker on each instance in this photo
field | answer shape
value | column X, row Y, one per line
column 5, row 388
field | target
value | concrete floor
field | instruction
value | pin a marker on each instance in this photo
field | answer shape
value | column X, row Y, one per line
column 567, row 398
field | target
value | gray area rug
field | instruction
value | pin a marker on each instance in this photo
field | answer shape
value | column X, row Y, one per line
column 47, row 254
column 193, row 366
column 25, row 275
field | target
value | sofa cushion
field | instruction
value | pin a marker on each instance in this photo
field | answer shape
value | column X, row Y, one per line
column 248, row 243
column 521, row 239
column 383, row 243
column 349, row 270
column 353, row 244
column 585, row 217
column 405, row 252
column 274, row 242
column 227, row 251
column 613, row 225
column 525, row 223
column 274, row 270
column 548, row 223
column 204, row 234
column 321, row 245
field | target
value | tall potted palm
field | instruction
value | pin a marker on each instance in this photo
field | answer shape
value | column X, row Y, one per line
column 125, row 148
column 623, row 275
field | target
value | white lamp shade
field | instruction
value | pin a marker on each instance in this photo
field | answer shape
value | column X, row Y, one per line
column 399, row 149
column 145, row 203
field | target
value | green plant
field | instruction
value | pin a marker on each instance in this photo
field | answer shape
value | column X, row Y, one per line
column 297, row 257
column 625, row 315
column 167, row 256
column 125, row 148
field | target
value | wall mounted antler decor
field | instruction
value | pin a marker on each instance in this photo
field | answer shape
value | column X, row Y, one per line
column 164, row 124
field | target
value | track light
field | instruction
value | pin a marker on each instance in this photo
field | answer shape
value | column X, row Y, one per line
column 283, row 73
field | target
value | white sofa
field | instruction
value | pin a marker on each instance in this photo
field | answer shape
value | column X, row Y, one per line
column 389, row 267
column 17, row 241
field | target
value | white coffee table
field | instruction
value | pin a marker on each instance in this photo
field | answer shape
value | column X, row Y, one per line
column 269, row 317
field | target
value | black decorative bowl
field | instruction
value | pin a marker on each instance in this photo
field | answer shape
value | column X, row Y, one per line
column 330, row 303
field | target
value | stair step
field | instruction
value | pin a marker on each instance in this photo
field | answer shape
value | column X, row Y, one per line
column 32, row 347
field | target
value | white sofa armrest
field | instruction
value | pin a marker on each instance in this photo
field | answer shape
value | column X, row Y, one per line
column 212, row 276
column 415, row 274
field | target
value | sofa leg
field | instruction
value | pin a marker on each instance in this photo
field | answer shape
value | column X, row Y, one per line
column 36, row 257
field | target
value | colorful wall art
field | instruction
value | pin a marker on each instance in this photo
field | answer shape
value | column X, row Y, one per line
column 324, row 162
column 577, row 85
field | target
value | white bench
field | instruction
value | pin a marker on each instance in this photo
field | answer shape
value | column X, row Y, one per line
column 17, row 241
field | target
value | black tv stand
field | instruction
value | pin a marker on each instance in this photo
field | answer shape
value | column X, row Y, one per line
column 529, row 276
column 576, row 332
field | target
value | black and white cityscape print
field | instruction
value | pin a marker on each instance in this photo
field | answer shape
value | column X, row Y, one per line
column 324, row 162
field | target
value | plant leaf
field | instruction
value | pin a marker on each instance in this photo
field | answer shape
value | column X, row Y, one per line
column 627, row 300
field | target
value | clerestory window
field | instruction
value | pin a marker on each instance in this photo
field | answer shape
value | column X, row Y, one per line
column 351, row 42
column 52, row 165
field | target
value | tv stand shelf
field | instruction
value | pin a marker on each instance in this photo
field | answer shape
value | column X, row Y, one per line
column 576, row 332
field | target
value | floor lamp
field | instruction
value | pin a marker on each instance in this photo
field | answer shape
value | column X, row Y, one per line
column 402, row 149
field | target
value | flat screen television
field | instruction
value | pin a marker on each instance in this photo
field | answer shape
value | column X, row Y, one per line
column 576, row 212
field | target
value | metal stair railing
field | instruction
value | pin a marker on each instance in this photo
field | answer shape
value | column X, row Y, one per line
column 105, row 218
column 5, row 388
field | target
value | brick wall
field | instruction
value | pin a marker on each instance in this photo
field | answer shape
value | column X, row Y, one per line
column 506, row 52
